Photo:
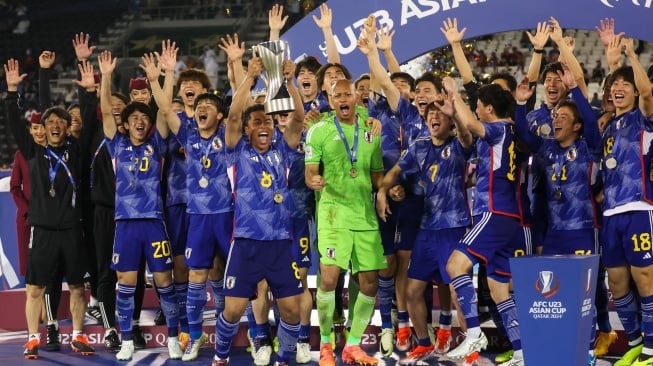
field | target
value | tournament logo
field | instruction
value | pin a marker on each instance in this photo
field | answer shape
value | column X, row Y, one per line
column 368, row 137
column 115, row 258
column 446, row 152
column 572, row 154
column 300, row 147
column 230, row 282
column 588, row 287
column 216, row 143
column 308, row 152
column 547, row 284
column 65, row 156
column 149, row 150
column 331, row 253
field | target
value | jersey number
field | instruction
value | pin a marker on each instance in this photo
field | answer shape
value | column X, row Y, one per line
column 143, row 164
column 641, row 242
column 434, row 171
column 511, row 164
column 206, row 162
column 563, row 173
column 607, row 147
column 303, row 244
column 161, row 249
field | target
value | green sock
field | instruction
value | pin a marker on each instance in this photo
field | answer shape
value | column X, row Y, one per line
column 326, row 303
column 352, row 290
column 362, row 312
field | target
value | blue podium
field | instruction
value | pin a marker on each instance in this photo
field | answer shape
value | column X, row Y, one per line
column 555, row 299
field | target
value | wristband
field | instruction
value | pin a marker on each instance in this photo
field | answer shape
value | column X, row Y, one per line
column 538, row 51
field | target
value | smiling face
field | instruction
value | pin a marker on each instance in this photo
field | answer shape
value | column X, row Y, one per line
column 259, row 129
column 438, row 123
column 566, row 126
column 207, row 117
column 554, row 89
column 38, row 133
column 76, row 121
column 343, row 101
column 188, row 90
column 140, row 95
column 56, row 129
column 307, row 84
column 425, row 93
column 117, row 106
column 363, row 92
column 624, row 95
column 138, row 126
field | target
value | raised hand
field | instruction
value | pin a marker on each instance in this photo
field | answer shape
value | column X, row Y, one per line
column 168, row 57
column 628, row 45
column 449, row 85
column 276, row 20
column 106, row 63
column 570, row 42
column 46, row 59
column 369, row 28
column 541, row 36
column 556, row 31
column 450, row 30
column 385, row 38
column 150, row 67
column 364, row 44
column 288, row 70
column 231, row 47
column 82, row 51
column 613, row 51
column 325, row 19
column 567, row 76
column 606, row 32
column 87, row 79
column 254, row 67
column 13, row 75
column 524, row 91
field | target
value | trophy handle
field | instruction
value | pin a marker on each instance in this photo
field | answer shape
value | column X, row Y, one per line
column 288, row 52
column 255, row 51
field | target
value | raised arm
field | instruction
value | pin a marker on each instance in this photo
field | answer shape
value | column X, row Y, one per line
column 163, row 96
column 522, row 94
column 46, row 60
column 324, row 22
column 107, row 65
column 293, row 133
column 538, row 41
column 152, row 70
column 462, row 133
column 13, row 78
column 276, row 20
column 568, row 56
column 389, row 180
column 454, row 37
column 466, row 119
column 235, row 54
column 83, row 51
column 642, row 82
column 239, row 103
column 86, row 83
column 385, row 45
column 607, row 36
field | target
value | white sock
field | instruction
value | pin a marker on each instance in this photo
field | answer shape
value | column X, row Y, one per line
column 93, row 302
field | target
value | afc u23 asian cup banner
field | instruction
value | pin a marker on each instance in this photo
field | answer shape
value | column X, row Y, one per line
column 417, row 22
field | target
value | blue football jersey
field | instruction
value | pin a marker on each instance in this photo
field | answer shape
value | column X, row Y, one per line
column 540, row 122
column 441, row 170
column 263, row 202
column 175, row 174
column 496, row 171
column 320, row 103
column 138, row 176
column 209, row 189
column 627, row 164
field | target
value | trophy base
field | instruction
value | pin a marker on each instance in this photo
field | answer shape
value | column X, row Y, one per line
column 281, row 105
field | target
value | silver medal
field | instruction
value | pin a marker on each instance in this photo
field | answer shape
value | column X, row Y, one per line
column 611, row 163
column 52, row 192
column 545, row 129
column 203, row 182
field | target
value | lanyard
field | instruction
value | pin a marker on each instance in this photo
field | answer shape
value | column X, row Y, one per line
column 351, row 153
column 52, row 171
column 95, row 154
column 205, row 157
column 559, row 166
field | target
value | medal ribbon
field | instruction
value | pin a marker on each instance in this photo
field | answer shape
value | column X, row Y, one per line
column 95, row 154
column 351, row 153
column 52, row 171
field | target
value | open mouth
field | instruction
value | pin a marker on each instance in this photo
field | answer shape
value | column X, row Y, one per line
column 202, row 118
column 189, row 94
column 344, row 109
column 618, row 97
column 422, row 104
column 553, row 93
column 263, row 137
column 306, row 85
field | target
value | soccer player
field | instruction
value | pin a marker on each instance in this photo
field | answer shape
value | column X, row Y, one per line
column 627, row 176
column 440, row 164
column 496, row 219
column 53, row 213
column 210, row 204
column 262, row 225
column 140, row 231
column 347, row 224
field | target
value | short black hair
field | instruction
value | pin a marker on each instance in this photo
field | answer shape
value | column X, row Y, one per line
column 251, row 109
column 216, row 100
column 500, row 99
column 406, row 76
column 136, row 106
column 429, row 77
column 59, row 112
column 194, row 75
column 121, row 96
column 626, row 73
column 553, row 67
column 320, row 73
column 310, row 63
column 512, row 82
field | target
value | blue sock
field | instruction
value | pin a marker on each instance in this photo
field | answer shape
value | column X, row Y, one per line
column 182, row 293
column 251, row 320
column 593, row 329
column 170, row 307
column 467, row 299
column 601, row 301
column 425, row 342
column 629, row 317
column 125, row 306
column 496, row 318
column 275, row 313
column 263, row 330
column 384, row 295
column 225, row 333
column 287, row 334
column 508, row 313
column 445, row 319
column 196, row 299
column 402, row 318
column 647, row 320
column 218, row 297
column 304, row 332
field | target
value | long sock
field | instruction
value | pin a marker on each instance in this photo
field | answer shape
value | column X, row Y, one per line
column 592, row 337
column 218, row 297
column 353, row 289
column 496, row 317
column 647, row 323
column 362, row 312
column 139, row 294
column 195, row 300
column 508, row 313
column 251, row 320
column 287, row 335
column 125, row 305
column 325, row 304
column 170, row 307
column 182, row 294
column 304, row 332
column 428, row 300
column 263, row 330
column 403, row 319
column 445, row 319
column 386, row 291
column 340, row 287
column 225, row 333
column 601, row 300
column 467, row 300
column 628, row 315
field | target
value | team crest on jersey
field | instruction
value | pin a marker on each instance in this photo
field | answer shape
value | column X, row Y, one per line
column 368, row 137
column 572, row 154
column 446, row 152
column 181, row 150
column 300, row 147
column 115, row 258
column 331, row 253
column 308, row 152
column 188, row 252
column 230, row 282
column 65, row 156
column 216, row 143
column 149, row 150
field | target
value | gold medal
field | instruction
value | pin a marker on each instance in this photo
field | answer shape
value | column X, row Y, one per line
column 557, row 194
column 203, row 182
column 52, row 192
column 353, row 172
column 611, row 163
column 278, row 198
